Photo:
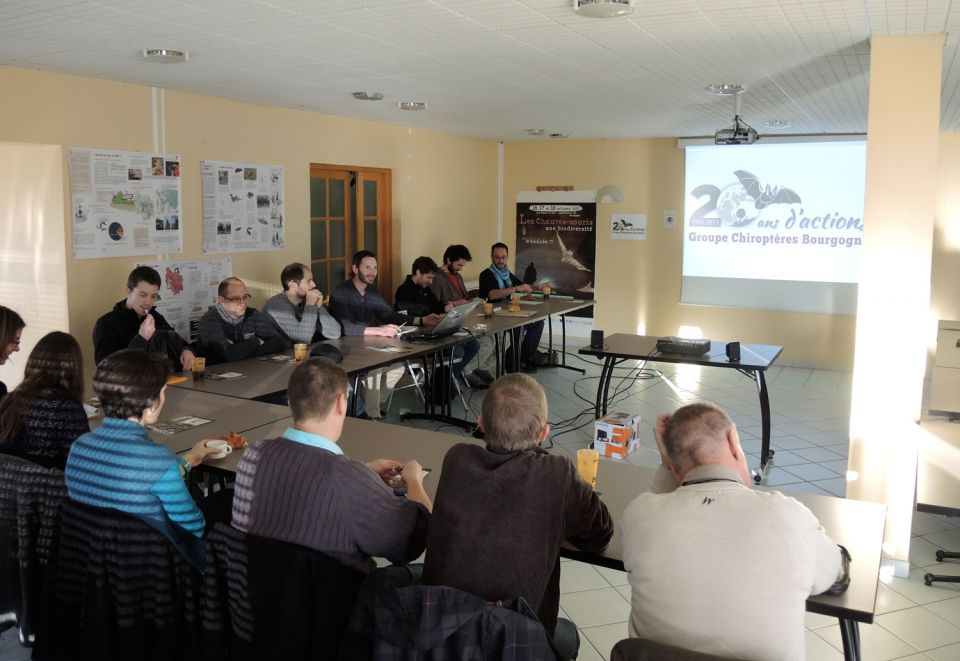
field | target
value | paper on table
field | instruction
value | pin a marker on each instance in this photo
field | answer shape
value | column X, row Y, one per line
column 224, row 376
column 181, row 423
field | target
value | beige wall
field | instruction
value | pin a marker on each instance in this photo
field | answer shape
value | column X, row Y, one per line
column 444, row 187
column 638, row 282
column 444, row 190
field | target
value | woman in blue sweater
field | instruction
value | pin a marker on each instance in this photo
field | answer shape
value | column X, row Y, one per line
column 117, row 466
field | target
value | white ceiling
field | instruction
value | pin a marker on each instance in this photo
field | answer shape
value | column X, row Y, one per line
column 492, row 68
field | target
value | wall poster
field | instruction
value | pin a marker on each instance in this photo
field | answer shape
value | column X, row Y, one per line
column 243, row 206
column 124, row 203
column 556, row 240
column 188, row 288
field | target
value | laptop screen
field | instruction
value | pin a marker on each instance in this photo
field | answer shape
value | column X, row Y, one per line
column 450, row 322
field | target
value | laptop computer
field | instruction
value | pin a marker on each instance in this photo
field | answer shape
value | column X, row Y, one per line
column 448, row 324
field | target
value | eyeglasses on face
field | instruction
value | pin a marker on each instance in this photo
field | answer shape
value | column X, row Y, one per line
column 238, row 299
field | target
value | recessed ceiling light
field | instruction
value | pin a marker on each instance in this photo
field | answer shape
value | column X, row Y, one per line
column 726, row 89
column 603, row 8
column 412, row 105
column 368, row 96
column 559, row 135
column 778, row 124
column 534, row 131
column 165, row 55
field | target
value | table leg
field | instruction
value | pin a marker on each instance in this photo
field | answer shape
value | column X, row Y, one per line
column 606, row 373
column 496, row 352
column 765, row 452
column 563, row 349
column 355, row 394
column 441, row 411
column 850, row 634
column 516, row 341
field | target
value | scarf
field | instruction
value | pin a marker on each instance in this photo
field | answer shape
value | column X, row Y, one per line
column 502, row 275
column 227, row 317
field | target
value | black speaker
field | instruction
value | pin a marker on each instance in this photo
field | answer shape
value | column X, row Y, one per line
column 596, row 339
column 733, row 352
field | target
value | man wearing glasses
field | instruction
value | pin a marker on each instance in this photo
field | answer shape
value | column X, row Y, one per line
column 230, row 330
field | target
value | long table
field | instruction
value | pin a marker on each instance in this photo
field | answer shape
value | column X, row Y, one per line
column 858, row 525
column 754, row 361
column 265, row 376
column 541, row 308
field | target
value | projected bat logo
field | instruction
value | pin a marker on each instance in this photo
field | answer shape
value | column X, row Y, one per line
column 740, row 204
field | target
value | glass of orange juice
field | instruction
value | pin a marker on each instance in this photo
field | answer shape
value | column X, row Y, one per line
column 587, row 463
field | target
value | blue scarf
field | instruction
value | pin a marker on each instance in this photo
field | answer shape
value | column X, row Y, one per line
column 502, row 275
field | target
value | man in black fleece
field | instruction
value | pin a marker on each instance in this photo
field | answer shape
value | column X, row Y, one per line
column 502, row 511
column 134, row 323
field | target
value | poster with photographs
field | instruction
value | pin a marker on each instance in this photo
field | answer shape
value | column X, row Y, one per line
column 124, row 203
column 556, row 241
column 243, row 206
column 188, row 287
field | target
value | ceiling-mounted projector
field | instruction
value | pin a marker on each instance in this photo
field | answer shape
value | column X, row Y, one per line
column 738, row 134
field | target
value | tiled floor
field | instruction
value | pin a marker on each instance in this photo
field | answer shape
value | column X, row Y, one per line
column 810, row 418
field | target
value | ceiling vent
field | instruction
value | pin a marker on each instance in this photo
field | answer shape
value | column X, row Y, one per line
column 165, row 55
column 603, row 8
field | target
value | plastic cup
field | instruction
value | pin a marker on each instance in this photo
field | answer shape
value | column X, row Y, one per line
column 587, row 462
column 545, row 291
column 199, row 366
column 488, row 309
column 300, row 352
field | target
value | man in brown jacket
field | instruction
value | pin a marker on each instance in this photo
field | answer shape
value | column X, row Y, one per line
column 502, row 511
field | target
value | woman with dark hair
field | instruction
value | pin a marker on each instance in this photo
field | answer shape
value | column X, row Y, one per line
column 11, row 325
column 117, row 466
column 44, row 415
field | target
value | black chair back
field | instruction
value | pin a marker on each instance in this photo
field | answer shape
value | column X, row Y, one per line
column 642, row 649
column 117, row 589
column 266, row 599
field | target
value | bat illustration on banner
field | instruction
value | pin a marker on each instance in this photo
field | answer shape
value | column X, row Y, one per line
column 566, row 256
column 765, row 196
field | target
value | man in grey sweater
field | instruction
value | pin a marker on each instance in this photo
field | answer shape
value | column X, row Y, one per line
column 298, row 309
column 300, row 488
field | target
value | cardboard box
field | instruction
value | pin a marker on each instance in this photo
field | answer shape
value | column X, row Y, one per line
column 616, row 434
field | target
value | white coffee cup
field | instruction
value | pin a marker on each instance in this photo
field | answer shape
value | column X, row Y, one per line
column 222, row 448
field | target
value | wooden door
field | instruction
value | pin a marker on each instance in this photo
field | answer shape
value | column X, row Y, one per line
column 349, row 211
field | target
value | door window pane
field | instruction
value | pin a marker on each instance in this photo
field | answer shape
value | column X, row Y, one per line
column 337, row 238
column 318, row 239
column 337, row 203
column 320, row 276
column 370, row 235
column 338, row 272
column 369, row 198
column 318, row 197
